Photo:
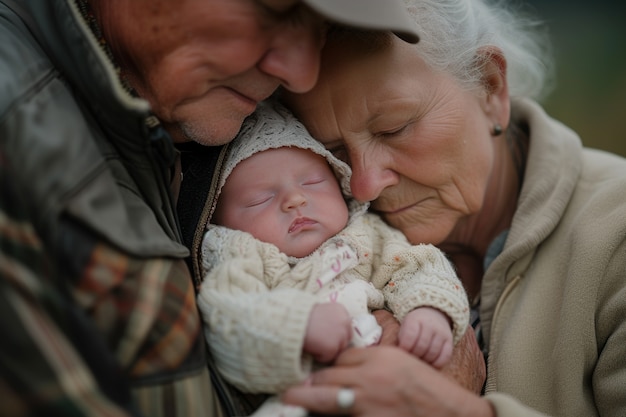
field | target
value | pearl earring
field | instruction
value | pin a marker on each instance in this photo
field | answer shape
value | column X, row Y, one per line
column 497, row 130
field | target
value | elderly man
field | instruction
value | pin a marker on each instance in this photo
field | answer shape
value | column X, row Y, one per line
column 97, row 303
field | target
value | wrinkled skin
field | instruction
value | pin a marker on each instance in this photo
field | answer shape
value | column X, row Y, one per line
column 203, row 65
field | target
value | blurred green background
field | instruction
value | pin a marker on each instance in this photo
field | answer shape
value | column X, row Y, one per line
column 589, row 43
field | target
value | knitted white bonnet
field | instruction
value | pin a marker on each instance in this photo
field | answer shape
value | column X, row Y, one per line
column 273, row 126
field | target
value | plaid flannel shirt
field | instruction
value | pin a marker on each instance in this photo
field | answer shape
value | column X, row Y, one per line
column 121, row 337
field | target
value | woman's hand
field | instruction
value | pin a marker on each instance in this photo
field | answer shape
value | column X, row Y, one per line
column 386, row 381
column 467, row 366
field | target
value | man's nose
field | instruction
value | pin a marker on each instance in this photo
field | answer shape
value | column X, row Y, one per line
column 294, row 55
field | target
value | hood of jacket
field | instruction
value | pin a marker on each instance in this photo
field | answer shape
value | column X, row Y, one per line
column 552, row 171
column 273, row 126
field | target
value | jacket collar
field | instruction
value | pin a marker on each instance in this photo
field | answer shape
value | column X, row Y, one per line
column 553, row 169
column 70, row 43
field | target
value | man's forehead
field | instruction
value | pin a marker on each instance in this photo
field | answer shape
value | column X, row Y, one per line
column 383, row 15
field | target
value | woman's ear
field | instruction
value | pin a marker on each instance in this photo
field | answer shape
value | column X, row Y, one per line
column 497, row 102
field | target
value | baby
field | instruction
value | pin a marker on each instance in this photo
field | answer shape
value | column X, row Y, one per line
column 293, row 265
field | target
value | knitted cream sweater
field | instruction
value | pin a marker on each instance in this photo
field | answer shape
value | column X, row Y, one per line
column 256, row 301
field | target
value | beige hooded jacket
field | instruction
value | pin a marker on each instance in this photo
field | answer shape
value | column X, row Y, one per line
column 554, row 301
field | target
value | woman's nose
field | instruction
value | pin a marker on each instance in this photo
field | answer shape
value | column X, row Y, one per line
column 370, row 178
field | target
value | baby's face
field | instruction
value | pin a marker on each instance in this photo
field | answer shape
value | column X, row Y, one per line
column 287, row 196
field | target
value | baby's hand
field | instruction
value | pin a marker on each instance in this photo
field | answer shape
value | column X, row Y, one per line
column 426, row 333
column 328, row 331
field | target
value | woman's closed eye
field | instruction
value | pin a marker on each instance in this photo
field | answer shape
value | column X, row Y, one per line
column 392, row 133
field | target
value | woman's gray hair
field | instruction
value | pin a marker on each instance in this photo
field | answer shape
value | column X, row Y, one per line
column 453, row 31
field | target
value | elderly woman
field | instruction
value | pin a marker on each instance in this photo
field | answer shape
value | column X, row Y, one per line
column 448, row 141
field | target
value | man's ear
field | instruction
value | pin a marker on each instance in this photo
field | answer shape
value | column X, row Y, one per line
column 497, row 102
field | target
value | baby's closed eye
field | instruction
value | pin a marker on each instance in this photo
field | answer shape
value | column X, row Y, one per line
column 258, row 200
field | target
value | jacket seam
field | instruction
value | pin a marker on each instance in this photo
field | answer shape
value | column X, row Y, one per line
column 29, row 93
